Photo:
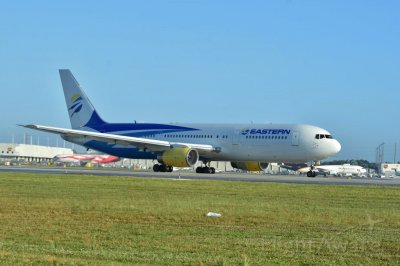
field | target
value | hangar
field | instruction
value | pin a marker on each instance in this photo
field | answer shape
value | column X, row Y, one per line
column 390, row 169
column 31, row 153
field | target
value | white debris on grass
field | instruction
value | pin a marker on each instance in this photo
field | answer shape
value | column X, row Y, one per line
column 213, row 214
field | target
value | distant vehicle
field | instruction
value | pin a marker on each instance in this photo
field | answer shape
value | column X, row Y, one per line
column 85, row 158
column 335, row 170
column 247, row 146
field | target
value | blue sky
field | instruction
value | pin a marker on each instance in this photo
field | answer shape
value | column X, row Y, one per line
column 334, row 64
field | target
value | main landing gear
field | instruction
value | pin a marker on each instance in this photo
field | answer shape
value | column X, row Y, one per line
column 205, row 169
column 162, row 168
column 167, row 168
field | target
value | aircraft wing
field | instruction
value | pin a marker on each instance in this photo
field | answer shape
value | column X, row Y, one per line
column 141, row 143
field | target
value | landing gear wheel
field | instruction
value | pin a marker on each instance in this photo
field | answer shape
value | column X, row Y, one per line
column 205, row 170
column 311, row 174
column 212, row 170
column 163, row 168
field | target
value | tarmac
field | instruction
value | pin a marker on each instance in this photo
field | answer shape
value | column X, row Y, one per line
column 227, row 176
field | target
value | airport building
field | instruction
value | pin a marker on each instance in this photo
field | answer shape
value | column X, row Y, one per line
column 31, row 153
column 390, row 169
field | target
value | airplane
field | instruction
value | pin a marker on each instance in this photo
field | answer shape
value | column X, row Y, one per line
column 336, row 170
column 247, row 146
column 86, row 158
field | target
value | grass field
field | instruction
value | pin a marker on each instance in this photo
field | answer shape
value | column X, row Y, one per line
column 67, row 219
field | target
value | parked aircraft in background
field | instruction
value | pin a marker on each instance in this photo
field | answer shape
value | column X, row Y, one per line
column 336, row 170
column 247, row 146
column 86, row 158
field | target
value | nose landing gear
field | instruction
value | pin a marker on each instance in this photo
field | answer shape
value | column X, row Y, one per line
column 312, row 173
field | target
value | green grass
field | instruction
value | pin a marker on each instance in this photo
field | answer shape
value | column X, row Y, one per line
column 69, row 219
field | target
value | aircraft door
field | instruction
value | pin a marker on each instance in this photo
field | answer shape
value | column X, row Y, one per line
column 295, row 138
column 235, row 137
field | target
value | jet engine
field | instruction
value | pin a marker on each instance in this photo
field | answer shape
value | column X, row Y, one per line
column 179, row 157
column 250, row 166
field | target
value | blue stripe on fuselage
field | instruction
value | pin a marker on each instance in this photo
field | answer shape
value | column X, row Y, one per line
column 140, row 130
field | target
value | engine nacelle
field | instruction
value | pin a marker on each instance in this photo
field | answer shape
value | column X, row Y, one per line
column 250, row 166
column 179, row 157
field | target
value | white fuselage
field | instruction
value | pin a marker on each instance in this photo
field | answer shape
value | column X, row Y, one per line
column 290, row 143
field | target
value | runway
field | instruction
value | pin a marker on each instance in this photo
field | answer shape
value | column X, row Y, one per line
column 291, row 179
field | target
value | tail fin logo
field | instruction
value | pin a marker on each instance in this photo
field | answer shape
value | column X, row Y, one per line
column 245, row 131
column 76, row 105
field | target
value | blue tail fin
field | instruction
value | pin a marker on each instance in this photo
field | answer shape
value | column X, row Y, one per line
column 80, row 109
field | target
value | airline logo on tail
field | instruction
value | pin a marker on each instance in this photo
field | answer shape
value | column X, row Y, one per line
column 76, row 106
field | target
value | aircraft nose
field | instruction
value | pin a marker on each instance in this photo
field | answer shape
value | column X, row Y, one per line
column 336, row 147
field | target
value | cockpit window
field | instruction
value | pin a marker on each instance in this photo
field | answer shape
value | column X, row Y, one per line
column 322, row 136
